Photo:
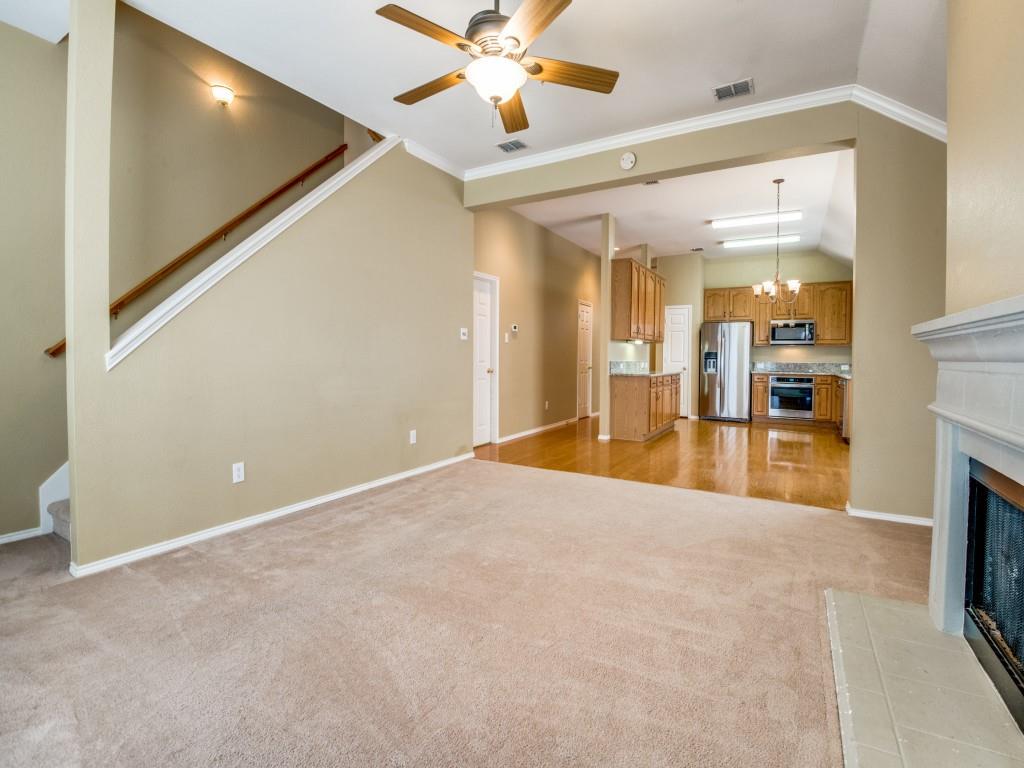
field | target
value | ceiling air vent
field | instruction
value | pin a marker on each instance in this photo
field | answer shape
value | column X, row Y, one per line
column 511, row 146
column 739, row 88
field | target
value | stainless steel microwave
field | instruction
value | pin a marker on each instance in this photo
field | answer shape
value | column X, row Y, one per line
column 792, row 332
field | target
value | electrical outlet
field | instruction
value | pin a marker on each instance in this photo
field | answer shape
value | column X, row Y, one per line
column 545, row 405
column 238, row 472
column 412, row 437
column 506, row 338
column 464, row 334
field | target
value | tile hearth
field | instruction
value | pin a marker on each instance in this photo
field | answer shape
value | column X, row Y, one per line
column 912, row 696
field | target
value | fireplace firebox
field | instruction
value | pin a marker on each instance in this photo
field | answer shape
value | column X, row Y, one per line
column 994, row 595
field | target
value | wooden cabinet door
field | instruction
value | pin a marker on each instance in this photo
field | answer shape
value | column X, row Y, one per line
column 636, row 302
column 649, row 303
column 661, row 310
column 805, row 302
column 659, row 313
column 833, row 313
column 716, row 302
column 741, row 303
column 676, row 384
column 762, row 321
column 837, row 401
column 760, row 395
column 652, row 415
column 822, row 398
column 666, row 400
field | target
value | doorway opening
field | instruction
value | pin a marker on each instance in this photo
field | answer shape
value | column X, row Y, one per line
column 485, row 358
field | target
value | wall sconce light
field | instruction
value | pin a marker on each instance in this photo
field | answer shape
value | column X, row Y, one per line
column 222, row 94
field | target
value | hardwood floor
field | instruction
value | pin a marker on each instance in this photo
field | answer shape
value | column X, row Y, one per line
column 799, row 464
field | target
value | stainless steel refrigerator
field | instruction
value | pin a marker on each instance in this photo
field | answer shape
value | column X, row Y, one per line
column 725, row 370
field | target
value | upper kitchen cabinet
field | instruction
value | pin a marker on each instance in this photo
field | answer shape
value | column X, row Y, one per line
column 728, row 304
column 802, row 309
column 833, row 313
column 716, row 304
column 638, row 302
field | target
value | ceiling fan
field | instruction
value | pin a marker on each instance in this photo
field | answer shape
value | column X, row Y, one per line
column 500, row 66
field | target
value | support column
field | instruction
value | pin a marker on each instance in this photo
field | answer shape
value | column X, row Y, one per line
column 604, row 325
column 86, row 232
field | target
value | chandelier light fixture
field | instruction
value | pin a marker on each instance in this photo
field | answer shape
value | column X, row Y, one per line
column 773, row 288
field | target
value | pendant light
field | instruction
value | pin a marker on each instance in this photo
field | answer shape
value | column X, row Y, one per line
column 773, row 288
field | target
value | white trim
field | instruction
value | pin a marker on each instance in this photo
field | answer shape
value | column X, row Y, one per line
column 888, row 516
column 594, row 414
column 901, row 113
column 536, row 430
column 28, row 533
column 247, row 522
column 850, row 759
column 164, row 312
column 495, row 351
column 604, row 438
column 432, row 158
column 55, row 488
column 856, row 93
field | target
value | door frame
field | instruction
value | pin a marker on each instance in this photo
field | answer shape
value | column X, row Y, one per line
column 688, row 395
column 495, row 283
column 577, row 358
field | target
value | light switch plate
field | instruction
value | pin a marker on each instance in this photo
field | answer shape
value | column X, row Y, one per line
column 412, row 437
column 238, row 472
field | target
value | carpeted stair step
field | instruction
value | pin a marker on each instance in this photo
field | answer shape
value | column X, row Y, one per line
column 60, row 511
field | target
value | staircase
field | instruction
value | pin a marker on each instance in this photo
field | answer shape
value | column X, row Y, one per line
column 60, row 511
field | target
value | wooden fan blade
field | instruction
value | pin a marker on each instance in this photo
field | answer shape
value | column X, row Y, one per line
column 573, row 75
column 513, row 114
column 416, row 23
column 443, row 83
column 532, row 18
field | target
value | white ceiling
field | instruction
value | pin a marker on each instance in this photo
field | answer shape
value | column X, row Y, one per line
column 670, row 54
column 47, row 19
column 674, row 216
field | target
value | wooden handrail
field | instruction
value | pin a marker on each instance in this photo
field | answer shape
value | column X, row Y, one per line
column 221, row 232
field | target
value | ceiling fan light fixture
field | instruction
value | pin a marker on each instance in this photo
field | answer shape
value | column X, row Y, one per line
column 496, row 78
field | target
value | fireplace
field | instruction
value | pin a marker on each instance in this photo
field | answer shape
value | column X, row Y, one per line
column 994, row 583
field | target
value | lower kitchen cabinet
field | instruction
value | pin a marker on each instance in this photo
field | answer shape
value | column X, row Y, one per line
column 759, row 406
column 823, row 398
column 643, row 407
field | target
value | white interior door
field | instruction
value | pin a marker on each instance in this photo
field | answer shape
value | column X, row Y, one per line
column 584, row 359
column 483, row 360
column 677, row 350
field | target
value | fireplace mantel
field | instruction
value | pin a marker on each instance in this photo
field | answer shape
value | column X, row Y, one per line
column 979, row 409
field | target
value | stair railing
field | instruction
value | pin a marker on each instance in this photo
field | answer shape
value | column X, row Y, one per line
column 220, row 233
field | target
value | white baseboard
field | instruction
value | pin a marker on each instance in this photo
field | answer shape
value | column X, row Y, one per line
column 888, row 516
column 247, row 522
column 56, row 487
column 604, row 438
column 536, row 430
column 28, row 533
column 595, row 414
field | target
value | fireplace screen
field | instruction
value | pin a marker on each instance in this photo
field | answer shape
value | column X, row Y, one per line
column 995, row 566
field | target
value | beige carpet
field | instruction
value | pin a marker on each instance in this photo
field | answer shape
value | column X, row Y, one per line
column 485, row 614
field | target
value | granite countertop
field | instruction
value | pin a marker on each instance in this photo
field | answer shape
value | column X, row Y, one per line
column 839, row 370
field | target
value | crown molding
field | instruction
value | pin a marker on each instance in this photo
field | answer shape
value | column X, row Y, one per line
column 901, row 113
column 432, row 158
column 858, row 94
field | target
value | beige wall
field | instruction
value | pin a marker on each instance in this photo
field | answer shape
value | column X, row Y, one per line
column 310, row 363
column 807, row 266
column 899, row 280
column 986, row 163
column 542, row 278
column 900, row 195
column 684, row 284
column 33, row 436
column 182, row 165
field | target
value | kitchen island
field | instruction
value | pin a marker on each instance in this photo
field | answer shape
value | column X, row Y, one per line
column 644, row 405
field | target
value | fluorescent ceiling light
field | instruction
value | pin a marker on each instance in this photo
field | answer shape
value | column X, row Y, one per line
column 752, row 241
column 761, row 218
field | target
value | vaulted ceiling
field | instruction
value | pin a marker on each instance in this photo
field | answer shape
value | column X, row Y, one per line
column 670, row 54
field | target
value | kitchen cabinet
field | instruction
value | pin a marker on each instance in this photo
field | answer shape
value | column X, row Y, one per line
column 823, row 398
column 643, row 407
column 759, row 396
column 833, row 313
column 638, row 302
column 716, row 304
column 803, row 309
column 830, row 305
column 844, row 387
column 762, row 321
